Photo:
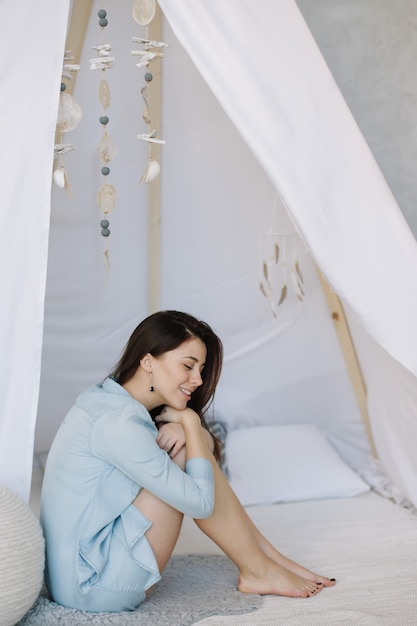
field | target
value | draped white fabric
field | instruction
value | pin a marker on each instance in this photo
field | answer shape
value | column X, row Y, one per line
column 32, row 37
column 392, row 401
column 265, row 69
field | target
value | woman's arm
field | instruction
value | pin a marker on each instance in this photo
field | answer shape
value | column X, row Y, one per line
column 127, row 443
column 171, row 438
column 195, row 434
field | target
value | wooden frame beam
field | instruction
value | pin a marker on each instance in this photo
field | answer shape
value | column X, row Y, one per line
column 154, row 197
column 351, row 359
column 80, row 16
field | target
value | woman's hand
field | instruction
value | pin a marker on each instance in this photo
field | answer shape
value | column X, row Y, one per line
column 168, row 414
column 171, row 438
column 189, row 420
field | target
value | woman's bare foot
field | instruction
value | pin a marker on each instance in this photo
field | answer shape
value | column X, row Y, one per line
column 303, row 572
column 278, row 580
column 272, row 553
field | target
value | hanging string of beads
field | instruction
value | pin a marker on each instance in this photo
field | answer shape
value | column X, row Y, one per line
column 143, row 13
column 106, row 149
column 69, row 116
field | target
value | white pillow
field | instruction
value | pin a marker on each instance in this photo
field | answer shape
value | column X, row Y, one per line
column 268, row 464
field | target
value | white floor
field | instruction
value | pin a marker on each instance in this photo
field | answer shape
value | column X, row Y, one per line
column 35, row 493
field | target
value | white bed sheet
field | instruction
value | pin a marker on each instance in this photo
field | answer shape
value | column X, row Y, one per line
column 368, row 543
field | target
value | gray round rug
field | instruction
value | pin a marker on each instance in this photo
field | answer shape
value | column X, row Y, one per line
column 192, row 588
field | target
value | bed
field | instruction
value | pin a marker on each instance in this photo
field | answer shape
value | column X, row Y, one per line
column 364, row 540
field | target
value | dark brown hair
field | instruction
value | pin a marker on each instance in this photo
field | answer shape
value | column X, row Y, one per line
column 164, row 331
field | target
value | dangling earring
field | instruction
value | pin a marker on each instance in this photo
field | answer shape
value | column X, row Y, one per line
column 151, row 388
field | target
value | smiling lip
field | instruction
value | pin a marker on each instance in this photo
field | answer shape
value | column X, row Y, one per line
column 187, row 393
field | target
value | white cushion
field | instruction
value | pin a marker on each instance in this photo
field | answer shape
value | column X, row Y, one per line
column 268, row 464
column 21, row 557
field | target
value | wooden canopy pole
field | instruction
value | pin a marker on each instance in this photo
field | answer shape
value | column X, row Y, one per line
column 80, row 17
column 154, row 197
column 350, row 356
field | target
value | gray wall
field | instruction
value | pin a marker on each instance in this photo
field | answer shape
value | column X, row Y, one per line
column 371, row 49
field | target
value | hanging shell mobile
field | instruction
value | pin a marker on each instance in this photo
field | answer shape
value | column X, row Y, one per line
column 143, row 13
column 69, row 116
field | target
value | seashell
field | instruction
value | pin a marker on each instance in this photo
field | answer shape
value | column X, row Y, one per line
column 63, row 148
column 149, row 43
column 146, row 116
column 106, row 149
column 69, row 113
column 106, row 260
column 103, row 50
column 106, row 198
column 145, row 93
column 67, row 185
column 151, row 172
column 146, row 57
column 146, row 111
column 101, row 63
column 104, row 93
column 146, row 54
column 71, row 67
column 150, row 137
column 144, row 11
column 59, row 177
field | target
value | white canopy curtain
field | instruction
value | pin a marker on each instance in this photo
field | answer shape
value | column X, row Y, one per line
column 32, row 39
column 265, row 69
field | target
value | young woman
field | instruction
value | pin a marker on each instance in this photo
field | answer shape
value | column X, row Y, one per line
column 132, row 457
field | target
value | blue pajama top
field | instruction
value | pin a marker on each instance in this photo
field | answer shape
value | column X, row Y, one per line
column 105, row 452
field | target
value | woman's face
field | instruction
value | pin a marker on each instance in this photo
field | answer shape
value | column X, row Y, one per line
column 177, row 373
